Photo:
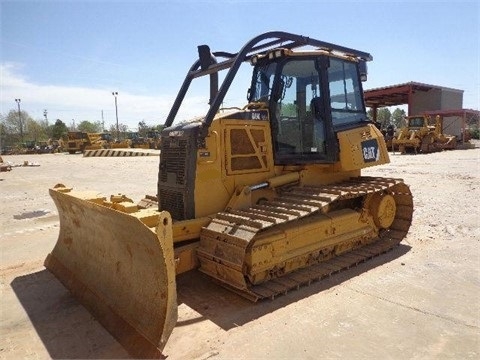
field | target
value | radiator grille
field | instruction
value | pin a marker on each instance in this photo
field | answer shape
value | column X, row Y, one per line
column 174, row 155
column 173, row 184
column 173, row 202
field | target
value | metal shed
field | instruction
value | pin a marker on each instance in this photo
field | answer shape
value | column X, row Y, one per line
column 418, row 96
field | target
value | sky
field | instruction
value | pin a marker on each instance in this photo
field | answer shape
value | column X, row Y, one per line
column 67, row 57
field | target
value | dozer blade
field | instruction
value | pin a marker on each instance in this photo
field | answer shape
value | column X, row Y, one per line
column 122, row 271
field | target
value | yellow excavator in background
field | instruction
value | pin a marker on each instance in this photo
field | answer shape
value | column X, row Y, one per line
column 263, row 198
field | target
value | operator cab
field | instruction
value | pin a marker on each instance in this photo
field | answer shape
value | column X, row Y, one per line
column 417, row 122
column 310, row 96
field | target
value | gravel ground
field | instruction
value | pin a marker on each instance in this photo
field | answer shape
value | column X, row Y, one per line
column 419, row 301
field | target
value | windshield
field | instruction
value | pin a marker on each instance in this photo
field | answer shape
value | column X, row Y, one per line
column 416, row 122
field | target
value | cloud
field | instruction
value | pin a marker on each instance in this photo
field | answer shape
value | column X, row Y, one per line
column 82, row 103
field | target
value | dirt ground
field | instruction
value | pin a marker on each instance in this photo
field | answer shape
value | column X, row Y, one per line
column 419, row 301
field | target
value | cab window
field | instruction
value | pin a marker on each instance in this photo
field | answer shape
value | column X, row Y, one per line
column 345, row 93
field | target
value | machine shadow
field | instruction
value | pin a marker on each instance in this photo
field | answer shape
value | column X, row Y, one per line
column 64, row 326
column 228, row 310
column 68, row 331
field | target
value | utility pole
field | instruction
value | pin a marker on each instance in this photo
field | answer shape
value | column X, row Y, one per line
column 20, row 119
column 115, row 94
column 45, row 114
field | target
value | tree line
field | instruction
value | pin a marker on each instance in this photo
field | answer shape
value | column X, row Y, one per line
column 385, row 117
column 18, row 128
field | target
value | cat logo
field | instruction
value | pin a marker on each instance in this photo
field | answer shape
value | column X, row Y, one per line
column 370, row 150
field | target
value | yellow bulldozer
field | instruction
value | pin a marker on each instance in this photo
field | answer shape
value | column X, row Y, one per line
column 422, row 134
column 79, row 141
column 263, row 198
column 150, row 140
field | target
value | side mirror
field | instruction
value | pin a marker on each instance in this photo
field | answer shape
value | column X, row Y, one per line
column 362, row 69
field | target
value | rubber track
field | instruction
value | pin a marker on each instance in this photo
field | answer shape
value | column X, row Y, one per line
column 236, row 229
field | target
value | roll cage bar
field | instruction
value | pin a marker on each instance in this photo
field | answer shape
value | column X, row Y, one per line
column 207, row 64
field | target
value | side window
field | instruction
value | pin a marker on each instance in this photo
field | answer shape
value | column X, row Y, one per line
column 345, row 93
column 299, row 128
column 286, row 115
column 288, row 101
column 262, row 82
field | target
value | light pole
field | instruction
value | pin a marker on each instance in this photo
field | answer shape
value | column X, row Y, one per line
column 20, row 119
column 115, row 94
column 45, row 112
